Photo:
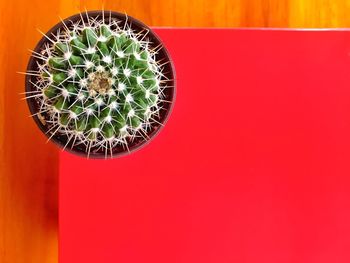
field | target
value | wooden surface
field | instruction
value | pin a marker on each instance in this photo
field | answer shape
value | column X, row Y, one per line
column 28, row 166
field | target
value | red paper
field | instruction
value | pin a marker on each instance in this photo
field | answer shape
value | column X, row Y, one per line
column 252, row 166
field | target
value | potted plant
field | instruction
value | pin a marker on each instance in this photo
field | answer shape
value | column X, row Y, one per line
column 100, row 84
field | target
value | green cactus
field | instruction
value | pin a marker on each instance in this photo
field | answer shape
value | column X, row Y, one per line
column 100, row 83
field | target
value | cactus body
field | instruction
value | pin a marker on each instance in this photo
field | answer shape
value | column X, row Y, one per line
column 100, row 84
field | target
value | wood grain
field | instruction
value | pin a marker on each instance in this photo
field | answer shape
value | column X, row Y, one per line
column 28, row 166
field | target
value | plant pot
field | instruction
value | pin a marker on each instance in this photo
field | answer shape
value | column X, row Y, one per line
column 90, row 149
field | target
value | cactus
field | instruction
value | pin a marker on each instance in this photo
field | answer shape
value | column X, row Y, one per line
column 99, row 83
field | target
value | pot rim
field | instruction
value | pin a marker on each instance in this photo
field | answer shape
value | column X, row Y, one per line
column 132, row 22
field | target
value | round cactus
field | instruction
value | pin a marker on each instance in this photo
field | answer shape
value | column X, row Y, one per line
column 99, row 83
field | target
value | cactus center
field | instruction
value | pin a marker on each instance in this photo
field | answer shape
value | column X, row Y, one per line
column 100, row 83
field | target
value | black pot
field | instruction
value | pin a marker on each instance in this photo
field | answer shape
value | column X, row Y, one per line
column 169, row 72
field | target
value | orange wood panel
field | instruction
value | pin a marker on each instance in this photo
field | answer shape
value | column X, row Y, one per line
column 28, row 166
column 28, row 170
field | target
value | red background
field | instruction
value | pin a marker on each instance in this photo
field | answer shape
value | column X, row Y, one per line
column 253, row 165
